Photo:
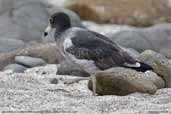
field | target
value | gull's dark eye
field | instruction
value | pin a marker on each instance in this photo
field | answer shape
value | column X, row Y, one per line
column 45, row 34
column 51, row 20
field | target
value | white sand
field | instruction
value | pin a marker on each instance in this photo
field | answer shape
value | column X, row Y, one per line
column 32, row 91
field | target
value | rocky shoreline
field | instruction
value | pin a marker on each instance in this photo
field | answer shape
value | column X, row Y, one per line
column 31, row 78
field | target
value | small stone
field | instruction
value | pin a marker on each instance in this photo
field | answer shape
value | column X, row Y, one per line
column 121, row 81
column 54, row 81
column 16, row 68
column 29, row 61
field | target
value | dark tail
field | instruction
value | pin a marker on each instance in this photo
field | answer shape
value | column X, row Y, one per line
column 143, row 67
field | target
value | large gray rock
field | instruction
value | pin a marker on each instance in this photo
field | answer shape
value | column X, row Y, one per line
column 134, row 53
column 122, row 81
column 33, row 17
column 160, row 38
column 23, row 20
column 15, row 68
column 157, row 38
column 7, row 45
column 29, row 61
column 5, row 5
column 159, row 63
column 132, row 39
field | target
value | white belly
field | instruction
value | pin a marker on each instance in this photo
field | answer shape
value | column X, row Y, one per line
column 88, row 65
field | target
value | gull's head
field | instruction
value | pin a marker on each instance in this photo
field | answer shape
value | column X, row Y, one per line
column 58, row 23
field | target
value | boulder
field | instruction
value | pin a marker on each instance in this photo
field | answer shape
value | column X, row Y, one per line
column 159, row 63
column 32, row 17
column 7, row 45
column 70, row 68
column 121, row 81
column 17, row 68
column 131, row 12
column 5, row 5
column 48, row 52
column 29, row 61
column 134, row 53
column 23, row 20
column 157, row 38
column 132, row 39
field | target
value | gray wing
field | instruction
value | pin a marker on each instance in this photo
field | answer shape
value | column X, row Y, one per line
column 93, row 46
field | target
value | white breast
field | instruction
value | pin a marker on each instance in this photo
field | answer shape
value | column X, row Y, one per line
column 67, row 43
column 88, row 65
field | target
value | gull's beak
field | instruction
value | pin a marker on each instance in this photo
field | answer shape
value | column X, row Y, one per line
column 47, row 30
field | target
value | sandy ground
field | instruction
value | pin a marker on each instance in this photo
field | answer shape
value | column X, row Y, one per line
column 31, row 92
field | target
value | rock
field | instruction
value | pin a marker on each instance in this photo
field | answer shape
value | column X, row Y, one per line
column 134, row 53
column 29, row 61
column 74, row 18
column 23, row 20
column 5, row 5
column 48, row 52
column 121, row 81
column 70, row 68
column 7, row 45
column 159, row 37
column 157, row 80
column 54, row 81
column 131, row 12
column 16, row 68
column 32, row 17
column 159, row 63
column 108, row 30
column 132, row 39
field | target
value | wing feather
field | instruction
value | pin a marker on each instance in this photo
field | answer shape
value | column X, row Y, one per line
column 93, row 46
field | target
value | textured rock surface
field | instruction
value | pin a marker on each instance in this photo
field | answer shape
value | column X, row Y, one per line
column 131, row 12
column 134, row 53
column 47, row 52
column 160, row 64
column 29, row 61
column 32, row 91
column 15, row 68
column 157, row 37
column 69, row 68
column 7, row 45
column 23, row 20
column 122, row 81
column 133, row 39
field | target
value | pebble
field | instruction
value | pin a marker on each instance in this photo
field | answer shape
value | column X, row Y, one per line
column 29, row 61
column 16, row 68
